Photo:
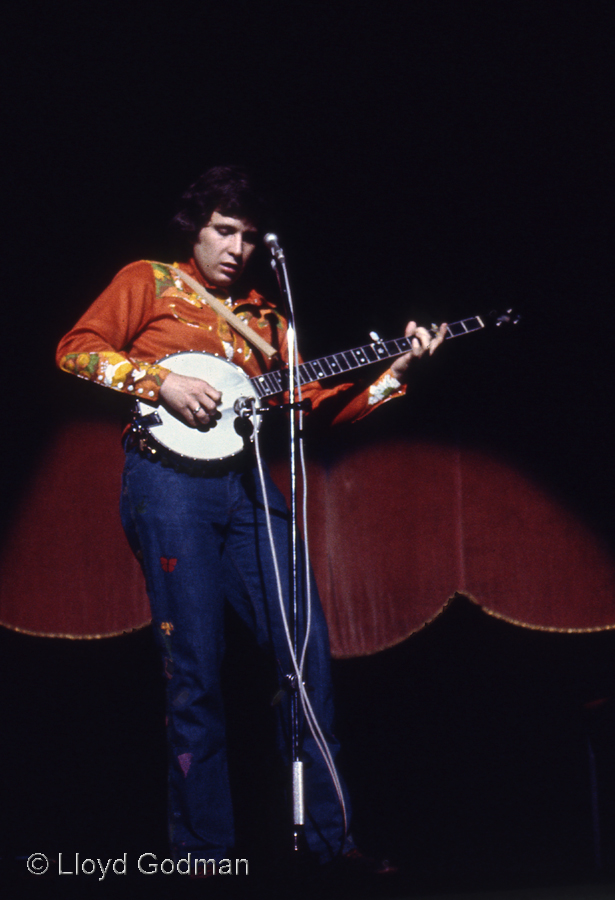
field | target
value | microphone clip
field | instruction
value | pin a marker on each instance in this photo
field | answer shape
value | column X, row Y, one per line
column 271, row 241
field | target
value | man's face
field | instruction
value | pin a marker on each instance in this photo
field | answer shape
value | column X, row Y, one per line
column 223, row 248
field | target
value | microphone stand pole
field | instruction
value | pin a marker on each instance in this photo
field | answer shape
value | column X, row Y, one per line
column 278, row 264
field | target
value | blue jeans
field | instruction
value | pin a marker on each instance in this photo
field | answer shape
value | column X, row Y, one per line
column 201, row 541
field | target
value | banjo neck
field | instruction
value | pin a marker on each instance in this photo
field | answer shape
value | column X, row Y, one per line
column 337, row 363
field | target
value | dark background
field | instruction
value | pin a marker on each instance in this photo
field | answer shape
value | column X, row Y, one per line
column 428, row 159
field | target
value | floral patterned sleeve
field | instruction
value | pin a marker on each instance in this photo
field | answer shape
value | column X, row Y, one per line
column 116, row 371
column 386, row 387
column 96, row 348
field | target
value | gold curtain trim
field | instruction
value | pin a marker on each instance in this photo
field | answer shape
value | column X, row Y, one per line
column 550, row 628
column 75, row 637
column 386, row 646
column 490, row 612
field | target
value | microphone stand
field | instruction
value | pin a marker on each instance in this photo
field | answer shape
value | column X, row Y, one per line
column 278, row 264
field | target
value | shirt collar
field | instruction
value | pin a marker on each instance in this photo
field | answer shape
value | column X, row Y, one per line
column 247, row 295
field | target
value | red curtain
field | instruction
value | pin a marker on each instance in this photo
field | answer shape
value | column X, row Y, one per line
column 395, row 530
column 398, row 528
column 66, row 568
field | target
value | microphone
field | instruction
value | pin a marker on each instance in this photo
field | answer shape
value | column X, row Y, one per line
column 271, row 241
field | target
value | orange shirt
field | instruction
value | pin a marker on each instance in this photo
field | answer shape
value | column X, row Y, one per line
column 146, row 314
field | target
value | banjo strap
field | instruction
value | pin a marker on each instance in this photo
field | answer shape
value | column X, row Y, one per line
column 238, row 324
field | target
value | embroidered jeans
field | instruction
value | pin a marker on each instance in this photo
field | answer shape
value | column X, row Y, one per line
column 203, row 541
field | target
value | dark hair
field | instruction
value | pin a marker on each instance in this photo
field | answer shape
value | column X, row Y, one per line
column 229, row 190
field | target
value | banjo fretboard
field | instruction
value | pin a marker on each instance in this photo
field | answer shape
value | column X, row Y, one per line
column 308, row 372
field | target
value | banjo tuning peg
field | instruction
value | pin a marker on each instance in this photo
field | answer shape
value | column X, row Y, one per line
column 510, row 317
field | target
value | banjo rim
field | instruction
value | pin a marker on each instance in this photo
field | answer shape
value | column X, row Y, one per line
column 143, row 408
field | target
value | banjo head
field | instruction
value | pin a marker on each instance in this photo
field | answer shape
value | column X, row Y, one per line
column 227, row 435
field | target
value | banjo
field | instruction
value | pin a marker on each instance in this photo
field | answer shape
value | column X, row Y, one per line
column 243, row 396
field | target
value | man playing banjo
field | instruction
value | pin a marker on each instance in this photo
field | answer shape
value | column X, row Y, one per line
column 198, row 526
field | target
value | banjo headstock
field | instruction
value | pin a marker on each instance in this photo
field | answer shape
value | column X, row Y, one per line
column 510, row 317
